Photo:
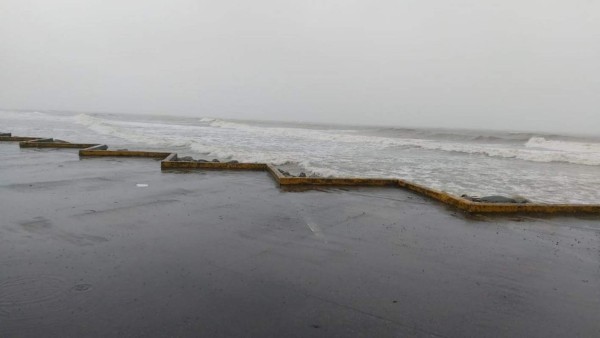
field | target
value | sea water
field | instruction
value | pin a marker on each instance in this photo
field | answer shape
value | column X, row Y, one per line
column 546, row 168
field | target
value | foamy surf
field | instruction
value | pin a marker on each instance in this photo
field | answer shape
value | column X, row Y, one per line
column 568, row 146
column 544, row 168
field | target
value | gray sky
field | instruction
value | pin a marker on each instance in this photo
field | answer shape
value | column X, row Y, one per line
column 509, row 64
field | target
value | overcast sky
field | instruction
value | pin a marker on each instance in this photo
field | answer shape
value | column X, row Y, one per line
column 507, row 64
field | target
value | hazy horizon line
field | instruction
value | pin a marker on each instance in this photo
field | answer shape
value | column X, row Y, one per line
column 306, row 122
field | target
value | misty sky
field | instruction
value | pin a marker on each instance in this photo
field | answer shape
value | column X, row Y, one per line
column 509, row 64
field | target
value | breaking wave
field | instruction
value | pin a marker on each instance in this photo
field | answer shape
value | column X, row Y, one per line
column 476, row 162
column 580, row 147
column 205, row 140
column 139, row 134
column 553, row 151
column 536, row 149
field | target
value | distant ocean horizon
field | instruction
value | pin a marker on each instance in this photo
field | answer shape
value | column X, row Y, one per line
column 543, row 167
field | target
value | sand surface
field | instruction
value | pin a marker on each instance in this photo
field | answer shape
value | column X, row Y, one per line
column 115, row 247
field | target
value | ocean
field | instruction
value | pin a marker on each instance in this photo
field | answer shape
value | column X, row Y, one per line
column 543, row 167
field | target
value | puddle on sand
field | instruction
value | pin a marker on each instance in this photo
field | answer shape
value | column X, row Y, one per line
column 44, row 227
column 81, row 287
column 17, row 292
column 37, row 301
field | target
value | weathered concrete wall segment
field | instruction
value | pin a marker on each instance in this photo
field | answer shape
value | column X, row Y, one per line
column 9, row 138
column 532, row 208
column 212, row 165
column 35, row 144
column 328, row 181
column 170, row 162
column 437, row 195
column 122, row 153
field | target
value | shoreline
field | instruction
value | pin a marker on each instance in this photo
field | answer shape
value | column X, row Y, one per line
column 478, row 164
column 112, row 246
column 170, row 161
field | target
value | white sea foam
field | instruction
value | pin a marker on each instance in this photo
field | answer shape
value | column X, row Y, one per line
column 104, row 127
column 31, row 116
column 142, row 133
column 526, row 154
column 580, row 147
column 537, row 149
column 480, row 165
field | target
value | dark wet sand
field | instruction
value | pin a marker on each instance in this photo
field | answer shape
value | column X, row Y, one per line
column 85, row 252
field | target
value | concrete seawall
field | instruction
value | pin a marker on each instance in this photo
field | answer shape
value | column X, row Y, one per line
column 170, row 161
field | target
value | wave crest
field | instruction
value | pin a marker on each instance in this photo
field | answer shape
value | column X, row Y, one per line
column 536, row 149
column 112, row 128
column 542, row 143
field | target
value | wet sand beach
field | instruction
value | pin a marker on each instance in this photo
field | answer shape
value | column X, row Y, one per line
column 115, row 247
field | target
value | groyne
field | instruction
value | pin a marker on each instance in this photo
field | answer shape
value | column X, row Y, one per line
column 171, row 162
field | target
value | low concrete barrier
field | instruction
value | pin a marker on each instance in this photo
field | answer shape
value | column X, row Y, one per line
column 500, row 208
column 165, row 165
column 532, row 208
column 170, row 162
column 349, row 181
column 277, row 176
column 327, row 181
column 16, row 138
column 52, row 143
column 437, row 195
column 122, row 153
